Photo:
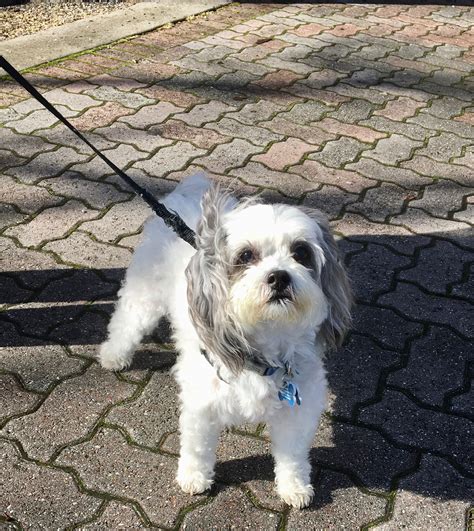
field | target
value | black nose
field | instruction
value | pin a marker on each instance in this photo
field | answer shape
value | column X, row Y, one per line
column 279, row 280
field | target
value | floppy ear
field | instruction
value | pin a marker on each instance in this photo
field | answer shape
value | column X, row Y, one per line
column 335, row 285
column 208, row 285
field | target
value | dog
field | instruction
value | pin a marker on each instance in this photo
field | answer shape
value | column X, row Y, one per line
column 253, row 311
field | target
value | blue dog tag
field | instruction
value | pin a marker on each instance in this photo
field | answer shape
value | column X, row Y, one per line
column 289, row 393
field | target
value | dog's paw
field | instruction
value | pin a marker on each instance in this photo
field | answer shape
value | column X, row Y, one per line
column 193, row 481
column 110, row 359
column 296, row 494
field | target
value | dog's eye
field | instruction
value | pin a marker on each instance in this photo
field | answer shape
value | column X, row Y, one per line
column 302, row 254
column 245, row 257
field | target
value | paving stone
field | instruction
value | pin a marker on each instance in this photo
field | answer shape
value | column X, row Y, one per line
column 24, row 145
column 415, row 304
column 39, row 119
column 330, row 200
column 253, row 113
column 393, row 150
column 169, row 158
column 400, row 108
column 36, row 362
column 203, row 138
column 61, row 136
column 153, row 414
column 413, row 131
column 56, row 423
column 230, row 505
column 28, row 199
column 434, row 496
column 121, row 219
column 380, row 202
column 441, row 198
column 359, row 452
column 337, row 499
column 440, row 124
column 450, row 261
column 227, row 156
column 352, row 111
column 399, row 239
column 176, row 97
column 372, row 272
column 9, row 216
column 426, row 429
column 391, row 330
column 355, row 370
column 256, row 174
column 466, row 214
column 363, row 134
column 13, row 399
column 378, row 171
column 108, row 464
column 257, row 135
column 337, row 153
column 79, row 249
column 49, row 498
column 100, row 116
column 51, row 223
column 131, row 100
column 420, row 222
column 305, row 113
column 443, row 147
column 283, row 154
column 435, row 366
column 46, row 165
column 308, row 133
column 150, row 115
column 201, row 114
column 461, row 174
column 97, row 194
column 318, row 173
column 9, row 159
column 463, row 403
column 116, row 516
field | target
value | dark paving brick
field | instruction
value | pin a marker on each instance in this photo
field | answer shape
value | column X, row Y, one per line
column 354, row 372
column 464, row 403
column 434, row 497
column 361, row 453
column 378, row 203
column 436, row 366
column 429, row 430
column 371, row 271
column 116, row 516
column 330, row 200
column 384, row 325
column 441, row 198
column 40, row 497
column 57, row 422
column 108, row 464
column 438, row 266
column 418, row 305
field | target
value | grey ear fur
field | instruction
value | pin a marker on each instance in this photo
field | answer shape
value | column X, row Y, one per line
column 208, row 286
column 335, row 285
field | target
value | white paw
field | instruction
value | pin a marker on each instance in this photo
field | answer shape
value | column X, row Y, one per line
column 111, row 359
column 193, row 481
column 296, row 494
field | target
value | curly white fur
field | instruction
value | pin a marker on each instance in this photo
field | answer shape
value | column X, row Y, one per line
column 207, row 293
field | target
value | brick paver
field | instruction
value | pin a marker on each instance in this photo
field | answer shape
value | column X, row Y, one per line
column 363, row 111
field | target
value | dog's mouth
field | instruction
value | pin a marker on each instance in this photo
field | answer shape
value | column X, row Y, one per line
column 280, row 298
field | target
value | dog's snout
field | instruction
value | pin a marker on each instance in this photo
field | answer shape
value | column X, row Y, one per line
column 279, row 280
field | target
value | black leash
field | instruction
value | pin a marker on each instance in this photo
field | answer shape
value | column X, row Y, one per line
column 169, row 217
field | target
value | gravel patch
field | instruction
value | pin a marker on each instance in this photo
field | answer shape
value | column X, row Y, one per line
column 37, row 15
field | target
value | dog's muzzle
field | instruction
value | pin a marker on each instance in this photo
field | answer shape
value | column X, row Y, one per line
column 280, row 284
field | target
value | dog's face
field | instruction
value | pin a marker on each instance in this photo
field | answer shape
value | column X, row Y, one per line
column 275, row 263
column 263, row 265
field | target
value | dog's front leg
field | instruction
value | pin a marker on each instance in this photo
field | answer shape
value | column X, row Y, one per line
column 200, row 431
column 292, row 432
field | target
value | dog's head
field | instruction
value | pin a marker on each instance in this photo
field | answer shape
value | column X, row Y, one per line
column 260, row 265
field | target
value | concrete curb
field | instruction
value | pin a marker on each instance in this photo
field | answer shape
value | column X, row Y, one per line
column 61, row 41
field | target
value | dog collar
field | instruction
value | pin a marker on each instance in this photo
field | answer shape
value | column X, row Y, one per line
column 288, row 391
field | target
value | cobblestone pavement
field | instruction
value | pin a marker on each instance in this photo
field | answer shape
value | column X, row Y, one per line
column 365, row 112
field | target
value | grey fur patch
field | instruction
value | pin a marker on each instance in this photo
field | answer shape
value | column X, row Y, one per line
column 207, row 275
column 335, row 285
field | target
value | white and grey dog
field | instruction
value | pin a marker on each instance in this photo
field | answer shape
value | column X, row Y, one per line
column 252, row 311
